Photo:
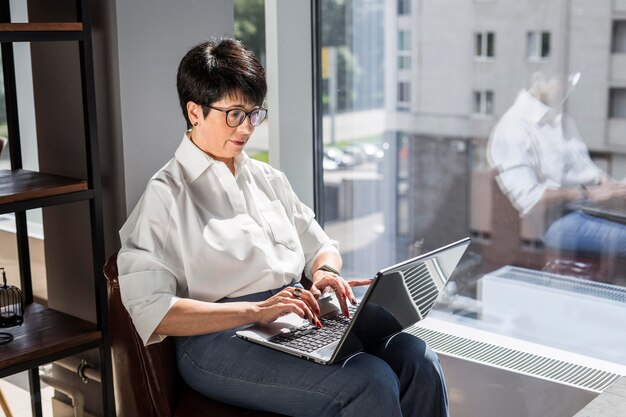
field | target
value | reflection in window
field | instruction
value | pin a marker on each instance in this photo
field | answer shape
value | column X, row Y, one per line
column 619, row 37
column 434, row 180
column 538, row 45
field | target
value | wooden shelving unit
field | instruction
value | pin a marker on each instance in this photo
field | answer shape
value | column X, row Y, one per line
column 48, row 335
column 45, row 336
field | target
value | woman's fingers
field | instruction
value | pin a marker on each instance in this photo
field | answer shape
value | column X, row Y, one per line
column 360, row 282
column 337, row 284
column 306, row 305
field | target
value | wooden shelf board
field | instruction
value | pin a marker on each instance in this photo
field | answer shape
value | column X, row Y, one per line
column 20, row 185
column 42, row 27
column 45, row 333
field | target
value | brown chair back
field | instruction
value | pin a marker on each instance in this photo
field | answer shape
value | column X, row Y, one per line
column 145, row 378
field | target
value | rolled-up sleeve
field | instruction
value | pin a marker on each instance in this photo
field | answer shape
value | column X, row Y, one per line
column 148, row 294
column 147, row 275
column 511, row 155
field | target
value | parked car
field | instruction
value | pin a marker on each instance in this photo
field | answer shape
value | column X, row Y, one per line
column 373, row 152
column 342, row 159
column 357, row 152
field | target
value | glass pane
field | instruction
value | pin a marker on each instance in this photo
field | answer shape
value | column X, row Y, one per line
column 617, row 106
column 545, row 44
column 533, row 44
column 404, row 62
column 250, row 29
column 490, row 44
column 477, row 102
column 415, row 180
column 489, row 102
column 619, row 37
column 404, row 40
column 478, row 41
column 404, row 7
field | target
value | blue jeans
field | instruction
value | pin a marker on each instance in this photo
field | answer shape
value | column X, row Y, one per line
column 580, row 232
column 401, row 376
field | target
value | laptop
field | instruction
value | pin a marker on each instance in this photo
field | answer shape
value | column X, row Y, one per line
column 399, row 296
column 613, row 209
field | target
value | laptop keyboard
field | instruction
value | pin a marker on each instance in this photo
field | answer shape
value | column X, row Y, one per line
column 308, row 338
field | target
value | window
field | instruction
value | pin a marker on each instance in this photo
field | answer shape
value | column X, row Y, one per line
column 404, row 62
column 404, row 7
column 250, row 29
column 484, row 43
column 617, row 103
column 415, row 169
column 404, row 50
column 538, row 45
column 404, row 40
column 483, row 102
column 404, row 94
column 618, row 44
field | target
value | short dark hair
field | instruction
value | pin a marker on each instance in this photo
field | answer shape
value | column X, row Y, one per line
column 215, row 69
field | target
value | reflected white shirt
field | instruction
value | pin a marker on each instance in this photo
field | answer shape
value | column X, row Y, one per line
column 533, row 153
column 202, row 233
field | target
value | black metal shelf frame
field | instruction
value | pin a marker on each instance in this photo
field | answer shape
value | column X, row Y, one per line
column 93, row 195
column 41, row 36
column 53, row 200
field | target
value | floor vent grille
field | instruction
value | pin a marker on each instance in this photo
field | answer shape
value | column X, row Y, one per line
column 560, row 371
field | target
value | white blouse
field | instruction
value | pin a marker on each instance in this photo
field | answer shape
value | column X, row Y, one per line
column 199, row 232
column 533, row 152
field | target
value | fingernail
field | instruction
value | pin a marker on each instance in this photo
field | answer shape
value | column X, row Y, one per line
column 347, row 314
column 353, row 301
column 318, row 311
column 318, row 324
column 345, row 295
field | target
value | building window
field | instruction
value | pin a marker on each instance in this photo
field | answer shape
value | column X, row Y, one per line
column 404, row 7
column 617, row 103
column 538, row 45
column 483, row 102
column 618, row 44
column 484, row 45
column 404, row 40
column 404, row 62
column 404, row 95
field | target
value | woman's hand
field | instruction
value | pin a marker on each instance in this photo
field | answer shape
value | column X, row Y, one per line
column 289, row 300
column 326, row 279
column 606, row 191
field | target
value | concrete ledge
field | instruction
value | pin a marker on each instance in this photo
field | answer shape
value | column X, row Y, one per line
column 611, row 403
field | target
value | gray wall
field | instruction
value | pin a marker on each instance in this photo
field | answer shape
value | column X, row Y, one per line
column 152, row 37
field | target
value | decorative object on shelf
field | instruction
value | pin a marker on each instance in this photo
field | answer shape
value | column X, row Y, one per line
column 11, row 308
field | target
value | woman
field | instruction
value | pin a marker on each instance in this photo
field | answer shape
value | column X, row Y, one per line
column 219, row 241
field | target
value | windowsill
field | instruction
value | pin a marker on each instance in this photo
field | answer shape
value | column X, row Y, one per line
column 484, row 59
column 482, row 116
column 535, row 60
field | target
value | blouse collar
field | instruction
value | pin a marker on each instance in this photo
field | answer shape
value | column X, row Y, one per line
column 195, row 161
column 530, row 107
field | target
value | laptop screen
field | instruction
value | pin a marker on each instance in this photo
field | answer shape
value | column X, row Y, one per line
column 400, row 296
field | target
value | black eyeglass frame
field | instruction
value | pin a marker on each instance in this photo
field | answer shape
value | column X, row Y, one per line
column 247, row 115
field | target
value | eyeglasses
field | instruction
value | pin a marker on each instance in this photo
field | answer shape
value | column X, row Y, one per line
column 235, row 117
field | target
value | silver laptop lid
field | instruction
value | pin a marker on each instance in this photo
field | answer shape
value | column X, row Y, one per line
column 400, row 296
